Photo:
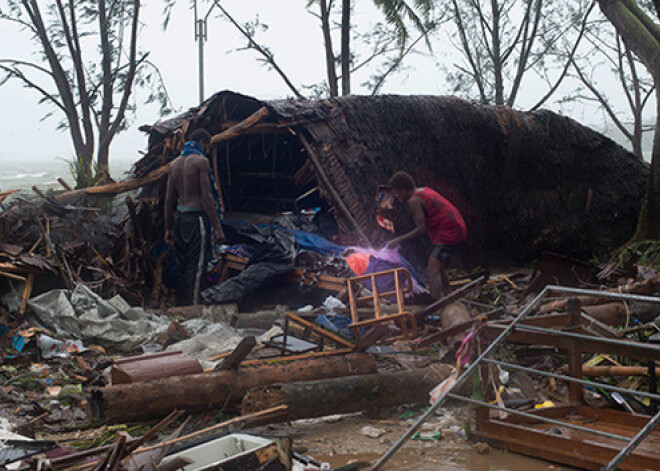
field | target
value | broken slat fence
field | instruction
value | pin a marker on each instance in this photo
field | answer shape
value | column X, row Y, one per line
column 516, row 437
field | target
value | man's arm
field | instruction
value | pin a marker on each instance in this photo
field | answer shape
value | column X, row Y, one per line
column 170, row 206
column 416, row 207
column 207, row 200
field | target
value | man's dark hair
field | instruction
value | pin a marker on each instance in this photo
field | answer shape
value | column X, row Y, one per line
column 401, row 181
column 200, row 135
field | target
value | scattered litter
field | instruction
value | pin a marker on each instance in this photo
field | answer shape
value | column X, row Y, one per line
column 373, row 432
column 51, row 347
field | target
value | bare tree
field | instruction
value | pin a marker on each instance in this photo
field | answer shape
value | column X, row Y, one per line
column 89, row 66
column 504, row 41
column 635, row 83
column 382, row 41
column 641, row 34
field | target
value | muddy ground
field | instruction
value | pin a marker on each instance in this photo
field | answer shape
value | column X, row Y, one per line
column 340, row 440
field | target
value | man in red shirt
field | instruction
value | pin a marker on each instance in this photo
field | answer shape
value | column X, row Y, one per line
column 436, row 216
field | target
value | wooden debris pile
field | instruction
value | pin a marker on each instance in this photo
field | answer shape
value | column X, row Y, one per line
column 103, row 242
column 384, row 369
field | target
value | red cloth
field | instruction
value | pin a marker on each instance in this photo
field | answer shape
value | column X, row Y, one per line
column 444, row 224
column 358, row 261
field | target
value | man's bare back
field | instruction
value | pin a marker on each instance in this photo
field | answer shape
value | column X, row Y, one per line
column 185, row 173
column 189, row 188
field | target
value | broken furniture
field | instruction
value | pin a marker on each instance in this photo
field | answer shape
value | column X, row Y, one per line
column 404, row 319
column 572, row 433
column 288, row 342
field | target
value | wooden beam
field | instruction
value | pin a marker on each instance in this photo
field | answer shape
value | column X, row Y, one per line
column 239, row 128
column 161, row 172
column 341, row 206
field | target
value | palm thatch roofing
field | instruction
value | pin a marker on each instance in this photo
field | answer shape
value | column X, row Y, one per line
column 526, row 182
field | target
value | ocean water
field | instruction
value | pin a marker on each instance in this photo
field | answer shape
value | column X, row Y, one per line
column 23, row 174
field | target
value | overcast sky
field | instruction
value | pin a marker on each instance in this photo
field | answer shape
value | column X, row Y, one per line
column 294, row 36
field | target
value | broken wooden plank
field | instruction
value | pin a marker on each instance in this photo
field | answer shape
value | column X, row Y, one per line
column 157, row 397
column 233, row 361
column 27, row 292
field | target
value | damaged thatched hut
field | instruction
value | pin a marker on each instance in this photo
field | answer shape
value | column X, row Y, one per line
column 525, row 182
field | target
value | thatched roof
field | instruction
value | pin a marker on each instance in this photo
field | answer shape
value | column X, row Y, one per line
column 525, row 182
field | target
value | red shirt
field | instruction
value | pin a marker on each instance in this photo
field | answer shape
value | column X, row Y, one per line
column 444, row 224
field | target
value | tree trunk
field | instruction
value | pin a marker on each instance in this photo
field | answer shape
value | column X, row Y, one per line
column 329, row 53
column 102, row 157
column 497, row 56
column 648, row 225
column 156, row 398
column 346, row 395
column 346, row 47
column 85, row 165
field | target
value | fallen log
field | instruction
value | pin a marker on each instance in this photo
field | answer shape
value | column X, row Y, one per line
column 612, row 314
column 157, row 365
column 345, row 395
column 651, row 286
column 158, row 397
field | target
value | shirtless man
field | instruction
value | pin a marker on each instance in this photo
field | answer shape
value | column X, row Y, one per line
column 436, row 216
column 189, row 210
